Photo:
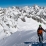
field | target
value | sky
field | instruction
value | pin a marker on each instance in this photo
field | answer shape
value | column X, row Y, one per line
column 9, row 3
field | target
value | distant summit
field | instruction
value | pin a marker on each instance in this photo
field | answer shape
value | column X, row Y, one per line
column 14, row 19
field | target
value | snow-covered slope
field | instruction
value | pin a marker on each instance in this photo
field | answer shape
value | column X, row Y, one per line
column 20, row 37
column 14, row 19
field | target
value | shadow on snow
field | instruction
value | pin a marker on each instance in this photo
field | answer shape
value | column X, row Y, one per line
column 35, row 43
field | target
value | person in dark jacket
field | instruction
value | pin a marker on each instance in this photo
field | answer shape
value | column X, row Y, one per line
column 40, row 32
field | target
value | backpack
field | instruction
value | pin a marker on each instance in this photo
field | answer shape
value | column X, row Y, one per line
column 40, row 31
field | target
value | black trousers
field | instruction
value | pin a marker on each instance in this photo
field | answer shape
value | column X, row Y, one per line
column 40, row 35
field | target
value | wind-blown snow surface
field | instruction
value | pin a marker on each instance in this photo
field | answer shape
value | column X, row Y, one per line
column 19, row 37
column 20, row 20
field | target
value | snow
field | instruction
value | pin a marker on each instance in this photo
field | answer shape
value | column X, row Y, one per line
column 19, row 24
column 19, row 37
column 28, row 24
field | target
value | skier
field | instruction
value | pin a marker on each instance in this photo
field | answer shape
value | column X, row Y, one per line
column 40, row 33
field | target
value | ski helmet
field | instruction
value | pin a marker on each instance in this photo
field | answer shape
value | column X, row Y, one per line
column 39, row 24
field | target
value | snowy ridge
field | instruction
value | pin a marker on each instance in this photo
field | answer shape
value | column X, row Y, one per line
column 14, row 19
column 20, row 37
